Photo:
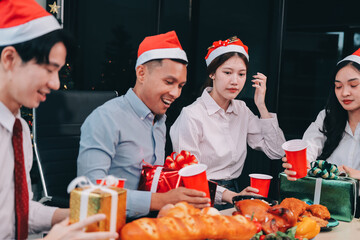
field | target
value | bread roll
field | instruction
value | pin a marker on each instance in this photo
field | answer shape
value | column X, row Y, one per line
column 210, row 211
column 190, row 227
column 165, row 210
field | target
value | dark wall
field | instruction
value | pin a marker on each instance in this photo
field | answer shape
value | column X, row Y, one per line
column 317, row 35
column 113, row 29
column 324, row 13
column 108, row 35
column 109, row 32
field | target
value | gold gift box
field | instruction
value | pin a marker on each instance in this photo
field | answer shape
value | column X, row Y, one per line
column 99, row 201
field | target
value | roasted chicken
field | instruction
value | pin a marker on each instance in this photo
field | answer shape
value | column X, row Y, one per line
column 297, row 206
column 281, row 217
column 319, row 211
column 272, row 219
column 300, row 209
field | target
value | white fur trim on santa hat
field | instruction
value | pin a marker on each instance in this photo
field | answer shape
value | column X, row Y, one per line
column 353, row 58
column 161, row 53
column 225, row 49
column 27, row 31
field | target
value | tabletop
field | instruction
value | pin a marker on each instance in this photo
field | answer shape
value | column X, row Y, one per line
column 345, row 230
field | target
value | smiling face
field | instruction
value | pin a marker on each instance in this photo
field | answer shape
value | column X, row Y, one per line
column 158, row 84
column 347, row 88
column 28, row 83
column 228, row 80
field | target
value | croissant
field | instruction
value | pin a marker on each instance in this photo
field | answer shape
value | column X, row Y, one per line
column 190, row 227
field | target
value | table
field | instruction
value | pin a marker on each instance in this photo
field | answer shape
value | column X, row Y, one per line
column 344, row 231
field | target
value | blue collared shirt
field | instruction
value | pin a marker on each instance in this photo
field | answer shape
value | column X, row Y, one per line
column 115, row 139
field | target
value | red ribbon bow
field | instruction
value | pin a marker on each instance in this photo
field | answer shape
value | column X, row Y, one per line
column 221, row 43
column 169, row 177
column 181, row 160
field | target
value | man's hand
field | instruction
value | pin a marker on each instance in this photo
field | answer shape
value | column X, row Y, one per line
column 59, row 215
column 194, row 197
column 74, row 231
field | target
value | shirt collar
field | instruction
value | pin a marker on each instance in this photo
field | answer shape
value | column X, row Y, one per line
column 7, row 119
column 212, row 107
column 349, row 131
column 232, row 108
column 140, row 108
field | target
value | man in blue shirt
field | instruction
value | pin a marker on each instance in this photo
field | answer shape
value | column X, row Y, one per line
column 119, row 135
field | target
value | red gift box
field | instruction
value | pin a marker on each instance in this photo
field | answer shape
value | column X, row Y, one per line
column 164, row 178
column 161, row 179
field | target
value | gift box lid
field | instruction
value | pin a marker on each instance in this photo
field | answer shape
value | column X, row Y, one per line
column 98, row 192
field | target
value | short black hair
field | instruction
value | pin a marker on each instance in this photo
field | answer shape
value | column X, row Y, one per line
column 158, row 62
column 39, row 48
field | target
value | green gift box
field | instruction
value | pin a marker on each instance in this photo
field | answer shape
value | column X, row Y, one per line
column 339, row 196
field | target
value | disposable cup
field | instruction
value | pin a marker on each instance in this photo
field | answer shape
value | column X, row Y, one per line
column 295, row 151
column 261, row 182
column 194, row 177
column 119, row 183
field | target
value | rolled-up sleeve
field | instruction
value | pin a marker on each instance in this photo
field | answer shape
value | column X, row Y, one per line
column 218, row 195
column 40, row 217
column 137, row 203
column 266, row 135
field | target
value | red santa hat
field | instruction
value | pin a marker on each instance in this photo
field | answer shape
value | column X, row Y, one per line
column 355, row 57
column 218, row 48
column 160, row 46
column 23, row 20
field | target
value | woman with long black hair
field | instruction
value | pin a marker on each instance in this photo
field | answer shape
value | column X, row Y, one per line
column 335, row 134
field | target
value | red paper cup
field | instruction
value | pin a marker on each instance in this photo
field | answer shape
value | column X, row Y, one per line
column 194, row 177
column 120, row 183
column 261, row 182
column 295, row 151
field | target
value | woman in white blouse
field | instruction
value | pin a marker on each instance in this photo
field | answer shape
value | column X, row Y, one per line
column 335, row 134
column 216, row 128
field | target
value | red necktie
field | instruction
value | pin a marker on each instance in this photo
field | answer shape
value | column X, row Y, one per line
column 21, row 190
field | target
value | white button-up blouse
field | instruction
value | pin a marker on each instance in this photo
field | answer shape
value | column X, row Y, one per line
column 348, row 151
column 219, row 138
